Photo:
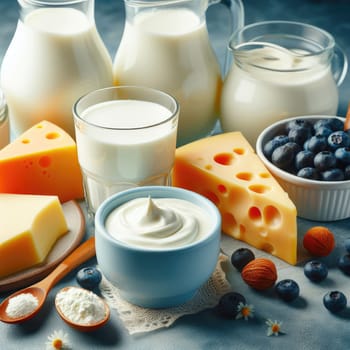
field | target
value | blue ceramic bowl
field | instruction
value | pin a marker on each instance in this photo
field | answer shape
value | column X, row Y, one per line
column 157, row 278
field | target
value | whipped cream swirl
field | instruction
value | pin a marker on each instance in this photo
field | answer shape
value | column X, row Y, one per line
column 157, row 223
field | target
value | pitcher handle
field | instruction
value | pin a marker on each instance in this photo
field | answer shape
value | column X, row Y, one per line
column 339, row 65
column 236, row 12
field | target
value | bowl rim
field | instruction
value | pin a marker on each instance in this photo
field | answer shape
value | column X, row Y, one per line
column 291, row 178
column 157, row 192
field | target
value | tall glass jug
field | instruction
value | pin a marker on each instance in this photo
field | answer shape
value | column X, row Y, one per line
column 55, row 56
column 165, row 45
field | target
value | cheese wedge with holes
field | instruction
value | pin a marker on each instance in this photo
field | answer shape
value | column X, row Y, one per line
column 29, row 227
column 43, row 160
column 253, row 206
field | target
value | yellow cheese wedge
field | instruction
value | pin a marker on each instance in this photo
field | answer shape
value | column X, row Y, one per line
column 254, row 207
column 43, row 160
column 29, row 227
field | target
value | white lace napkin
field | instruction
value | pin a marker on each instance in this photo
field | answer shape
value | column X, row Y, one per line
column 137, row 319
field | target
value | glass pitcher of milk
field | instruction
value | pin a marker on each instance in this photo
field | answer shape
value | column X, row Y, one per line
column 55, row 56
column 165, row 45
column 280, row 69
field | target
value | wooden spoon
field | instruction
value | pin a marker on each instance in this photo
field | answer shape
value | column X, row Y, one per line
column 41, row 289
column 347, row 119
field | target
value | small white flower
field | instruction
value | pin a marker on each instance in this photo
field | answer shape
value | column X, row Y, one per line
column 58, row 340
column 274, row 327
column 245, row 311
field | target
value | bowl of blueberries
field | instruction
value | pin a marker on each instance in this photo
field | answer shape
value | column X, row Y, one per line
column 310, row 157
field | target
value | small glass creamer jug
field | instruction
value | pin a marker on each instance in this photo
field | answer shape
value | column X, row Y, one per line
column 165, row 45
column 55, row 56
column 279, row 69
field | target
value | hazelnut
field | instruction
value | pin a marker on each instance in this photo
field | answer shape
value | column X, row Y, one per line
column 319, row 241
column 260, row 273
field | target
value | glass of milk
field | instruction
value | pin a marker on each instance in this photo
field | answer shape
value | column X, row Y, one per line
column 280, row 69
column 55, row 56
column 126, row 137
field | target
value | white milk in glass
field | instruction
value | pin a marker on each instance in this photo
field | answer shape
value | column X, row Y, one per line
column 253, row 97
column 56, row 56
column 170, row 50
column 134, row 153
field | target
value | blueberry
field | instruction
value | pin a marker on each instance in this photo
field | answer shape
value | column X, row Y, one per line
column 304, row 159
column 344, row 263
column 298, row 123
column 332, row 123
column 317, row 144
column 89, row 277
column 335, row 174
column 334, row 301
column 325, row 160
column 347, row 172
column 299, row 135
column 228, row 304
column 315, row 270
column 342, row 154
column 241, row 257
column 287, row 289
column 271, row 145
column 347, row 245
column 323, row 131
column 338, row 139
column 309, row 173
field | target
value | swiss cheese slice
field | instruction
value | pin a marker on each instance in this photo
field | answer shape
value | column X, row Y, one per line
column 29, row 227
column 43, row 160
column 253, row 206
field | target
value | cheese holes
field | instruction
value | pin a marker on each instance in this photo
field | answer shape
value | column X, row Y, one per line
column 213, row 197
column 25, row 141
column 231, row 226
column 272, row 216
column 264, row 175
column 239, row 151
column 255, row 214
column 52, row 135
column 245, row 176
column 259, row 188
column 222, row 189
column 45, row 161
column 224, row 158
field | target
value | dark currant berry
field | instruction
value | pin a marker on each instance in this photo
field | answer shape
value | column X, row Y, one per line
column 344, row 263
column 315, row 270
column 89, row 277
column 287, row 289
column 334, row 301
column 241, row 257
column 228, row 304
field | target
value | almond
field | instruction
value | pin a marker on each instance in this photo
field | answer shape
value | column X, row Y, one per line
column 260, row 273
column 319, row 241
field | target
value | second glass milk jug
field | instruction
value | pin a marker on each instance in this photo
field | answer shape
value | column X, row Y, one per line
column 55, row 56
column 165, row 45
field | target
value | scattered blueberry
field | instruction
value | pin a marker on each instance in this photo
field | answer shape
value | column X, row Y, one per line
column 287, row 289
column 344, row 263
column 334, row 301
column 241, row 257
column 228, row 304
column 89, row 277
column 347, row 245
column 325, row 160
column 315, row 270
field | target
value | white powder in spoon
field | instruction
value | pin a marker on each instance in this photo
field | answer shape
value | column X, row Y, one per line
column 80, row 305
column 21, row 305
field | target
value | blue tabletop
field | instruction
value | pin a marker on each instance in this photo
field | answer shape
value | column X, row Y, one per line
column 307, row 323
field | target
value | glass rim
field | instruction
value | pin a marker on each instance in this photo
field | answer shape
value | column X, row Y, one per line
column 51, row 3
column 174, row 112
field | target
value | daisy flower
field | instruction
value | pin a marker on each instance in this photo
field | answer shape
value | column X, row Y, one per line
column 274, row 327
column 245, row 311
column 58, row 340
